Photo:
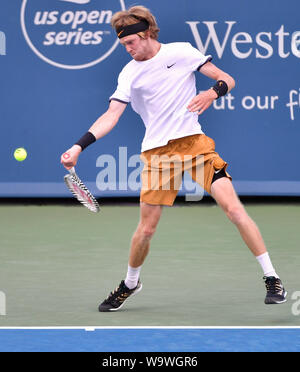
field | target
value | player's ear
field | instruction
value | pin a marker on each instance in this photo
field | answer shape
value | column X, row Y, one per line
column 144, row 35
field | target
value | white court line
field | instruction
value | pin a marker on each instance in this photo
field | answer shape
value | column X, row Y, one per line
column 92, row 328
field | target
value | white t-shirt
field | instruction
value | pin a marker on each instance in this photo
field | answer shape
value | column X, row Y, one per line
column 160, row 89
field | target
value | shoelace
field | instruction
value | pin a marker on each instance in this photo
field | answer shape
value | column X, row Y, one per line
column 119, row 291
column 273, row 285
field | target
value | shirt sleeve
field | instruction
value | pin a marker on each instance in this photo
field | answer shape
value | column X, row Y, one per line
column 194, row 58
column 122, row 93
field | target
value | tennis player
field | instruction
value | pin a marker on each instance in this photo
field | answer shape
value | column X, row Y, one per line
column 159, row 82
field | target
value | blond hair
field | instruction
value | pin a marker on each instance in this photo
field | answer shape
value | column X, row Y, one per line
column 133, row 15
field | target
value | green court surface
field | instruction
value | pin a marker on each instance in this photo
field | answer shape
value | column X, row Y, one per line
column 57, row 262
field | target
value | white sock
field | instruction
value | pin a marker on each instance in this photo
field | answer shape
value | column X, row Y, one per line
column 266, row 265
column 133, row 274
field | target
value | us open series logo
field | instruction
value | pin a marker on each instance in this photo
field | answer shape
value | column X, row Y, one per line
column 70, row 34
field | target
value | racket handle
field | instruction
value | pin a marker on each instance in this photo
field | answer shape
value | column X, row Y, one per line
column 72, row 170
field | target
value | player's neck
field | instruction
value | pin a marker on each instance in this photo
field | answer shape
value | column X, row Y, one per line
column 154, row 48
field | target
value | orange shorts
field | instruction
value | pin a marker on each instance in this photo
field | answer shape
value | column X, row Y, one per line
column 164, row 166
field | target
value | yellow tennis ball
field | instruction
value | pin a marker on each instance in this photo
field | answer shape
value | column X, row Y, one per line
column 20, row 154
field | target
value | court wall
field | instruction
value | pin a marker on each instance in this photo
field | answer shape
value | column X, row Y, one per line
column 59, row 63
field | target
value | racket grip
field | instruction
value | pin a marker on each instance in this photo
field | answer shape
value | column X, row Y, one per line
column 72, row 170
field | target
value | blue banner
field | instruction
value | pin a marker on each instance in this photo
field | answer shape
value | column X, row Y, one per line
column 59, row 63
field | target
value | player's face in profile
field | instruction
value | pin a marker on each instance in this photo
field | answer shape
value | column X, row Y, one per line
column 135, row 46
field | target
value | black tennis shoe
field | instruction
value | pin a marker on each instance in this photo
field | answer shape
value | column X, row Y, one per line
column 117, row 298
column 276, row 294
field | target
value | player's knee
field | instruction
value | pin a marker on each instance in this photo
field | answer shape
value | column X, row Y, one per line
column 148, row 231
column 236, row 214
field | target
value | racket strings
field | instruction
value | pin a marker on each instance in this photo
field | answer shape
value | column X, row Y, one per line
column 81, row 192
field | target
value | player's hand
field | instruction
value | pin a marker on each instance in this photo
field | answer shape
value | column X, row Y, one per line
column 70, row 157
column 202, row 101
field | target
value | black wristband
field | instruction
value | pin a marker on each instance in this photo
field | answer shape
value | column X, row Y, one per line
column 221, row 88
column 86, row 140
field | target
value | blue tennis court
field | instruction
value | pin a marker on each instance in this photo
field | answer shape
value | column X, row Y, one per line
column 151, row 340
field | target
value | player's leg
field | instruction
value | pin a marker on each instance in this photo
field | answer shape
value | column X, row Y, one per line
column 158, row 188
column 223, row 192
column 140, row 244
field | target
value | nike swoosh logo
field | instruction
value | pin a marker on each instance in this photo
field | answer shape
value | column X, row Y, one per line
column 120, row 33
column 77, row 1
column 171, row 65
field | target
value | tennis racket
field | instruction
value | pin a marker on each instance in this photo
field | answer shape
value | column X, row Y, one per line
column 80, row 191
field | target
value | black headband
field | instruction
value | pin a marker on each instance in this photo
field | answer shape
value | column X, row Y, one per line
column 132, row 29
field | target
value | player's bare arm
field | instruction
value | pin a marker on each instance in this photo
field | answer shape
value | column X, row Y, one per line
column 106, row 122
column 102, row 126
column 203, row 100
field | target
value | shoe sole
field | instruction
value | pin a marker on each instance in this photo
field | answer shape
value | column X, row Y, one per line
column 132, row 294
column 278, row 302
